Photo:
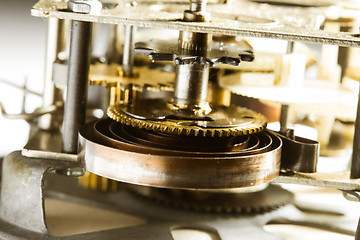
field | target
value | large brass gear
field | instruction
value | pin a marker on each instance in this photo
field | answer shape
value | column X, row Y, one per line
column 221, row 121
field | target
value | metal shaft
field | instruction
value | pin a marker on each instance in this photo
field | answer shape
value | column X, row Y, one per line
column 355, row 163
column 55, row 43
column 284, row 114
column 128, row 55
column 191, row 84
column 284, row 118
column 77, row 84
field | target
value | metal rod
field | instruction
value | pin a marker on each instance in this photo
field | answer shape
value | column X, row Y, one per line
column 78, row 77
column 191, row 84
column 355, row 162
column 290, row 47
column 284, row 114
column 284, row 118
column 55, row 44
column 128, row 55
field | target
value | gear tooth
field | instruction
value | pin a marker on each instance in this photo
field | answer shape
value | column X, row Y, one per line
column 196, row 132
column 234, row 133
column 211, row 133
column 171, row 129
column 206, row 133
column 179, row 131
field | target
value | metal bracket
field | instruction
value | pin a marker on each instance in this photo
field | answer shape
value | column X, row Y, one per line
column 22, row 196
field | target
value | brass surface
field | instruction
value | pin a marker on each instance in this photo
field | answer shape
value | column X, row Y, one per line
column 144, row 78
column 221, row 121
column 95, row 182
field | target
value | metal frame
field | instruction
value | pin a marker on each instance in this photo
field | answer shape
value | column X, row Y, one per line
column 24, row 217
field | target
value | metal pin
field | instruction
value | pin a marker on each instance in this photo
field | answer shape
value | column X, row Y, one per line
column 284, row 114
column 129, row 45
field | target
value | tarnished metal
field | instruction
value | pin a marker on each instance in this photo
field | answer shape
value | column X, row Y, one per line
column 260, row 20
column 107, row 155
column 299, row 154
column 21, row 177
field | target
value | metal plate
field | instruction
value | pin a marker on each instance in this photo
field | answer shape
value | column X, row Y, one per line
column 261, row 20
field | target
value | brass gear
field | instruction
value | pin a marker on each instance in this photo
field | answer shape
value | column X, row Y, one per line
column 221, row 122
column 92, row 181
column 144, row 78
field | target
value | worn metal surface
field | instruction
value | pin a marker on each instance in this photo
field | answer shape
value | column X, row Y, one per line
column 114, row 155
column 260, row 20
column 299, row 154
column 21, row 200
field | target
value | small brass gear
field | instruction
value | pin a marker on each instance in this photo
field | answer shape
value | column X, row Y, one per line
column 221, row 121
column 92, row 181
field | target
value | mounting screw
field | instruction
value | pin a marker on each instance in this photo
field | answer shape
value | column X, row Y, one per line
column 85, row 6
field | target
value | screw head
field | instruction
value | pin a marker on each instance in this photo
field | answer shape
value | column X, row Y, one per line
column 85, row 6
